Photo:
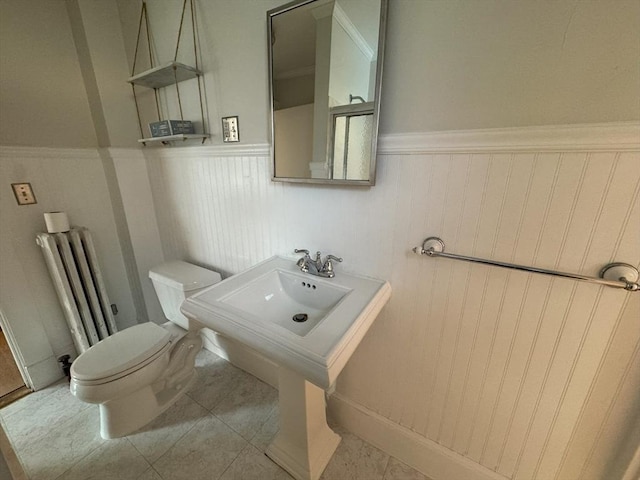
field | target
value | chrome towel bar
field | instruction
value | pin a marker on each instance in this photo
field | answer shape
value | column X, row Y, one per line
column 617, row 275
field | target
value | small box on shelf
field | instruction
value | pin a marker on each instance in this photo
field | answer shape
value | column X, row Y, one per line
column 165, row 128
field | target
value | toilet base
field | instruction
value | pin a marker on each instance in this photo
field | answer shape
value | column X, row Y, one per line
column 125, row 415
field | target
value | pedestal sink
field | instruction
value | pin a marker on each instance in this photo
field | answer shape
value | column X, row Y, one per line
column 309, row 326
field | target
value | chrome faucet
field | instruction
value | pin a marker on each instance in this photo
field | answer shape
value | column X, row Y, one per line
column 317, row 267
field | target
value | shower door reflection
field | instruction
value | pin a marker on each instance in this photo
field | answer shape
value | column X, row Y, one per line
column 350, row 141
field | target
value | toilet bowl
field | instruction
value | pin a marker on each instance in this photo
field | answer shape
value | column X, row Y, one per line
column 137, row 373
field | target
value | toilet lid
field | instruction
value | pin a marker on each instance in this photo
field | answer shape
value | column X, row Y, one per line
column 120, row 352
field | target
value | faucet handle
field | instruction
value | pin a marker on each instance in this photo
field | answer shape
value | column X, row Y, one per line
column 302, row 261
column 327, row 267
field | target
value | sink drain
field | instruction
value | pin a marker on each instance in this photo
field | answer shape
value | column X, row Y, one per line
column 300, row 317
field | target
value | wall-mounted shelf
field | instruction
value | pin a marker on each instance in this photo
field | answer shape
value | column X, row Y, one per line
column 171, row 73
column 173, row 138
column 165, row 75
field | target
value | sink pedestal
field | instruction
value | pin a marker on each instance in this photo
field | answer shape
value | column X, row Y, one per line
column 305, row 443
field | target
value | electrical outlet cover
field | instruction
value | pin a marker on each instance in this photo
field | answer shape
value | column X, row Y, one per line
column 230, row 129
column 24, row 193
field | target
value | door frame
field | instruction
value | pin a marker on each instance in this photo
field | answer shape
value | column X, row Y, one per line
column 15, row 351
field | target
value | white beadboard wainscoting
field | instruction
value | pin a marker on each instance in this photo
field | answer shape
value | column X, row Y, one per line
column 72, row 180
column 470, row 371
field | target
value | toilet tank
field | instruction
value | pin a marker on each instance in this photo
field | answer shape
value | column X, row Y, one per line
column 177, row 280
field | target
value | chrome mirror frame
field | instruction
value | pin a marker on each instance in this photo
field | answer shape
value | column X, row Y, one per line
column 376, row 102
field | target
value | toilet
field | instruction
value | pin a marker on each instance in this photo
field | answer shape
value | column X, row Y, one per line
column 137, row 373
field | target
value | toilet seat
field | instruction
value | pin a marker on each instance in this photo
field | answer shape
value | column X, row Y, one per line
column 121, row 354
column 126, row 373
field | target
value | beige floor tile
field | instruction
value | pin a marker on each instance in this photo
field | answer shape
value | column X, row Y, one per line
column 252, row 464
column 204, row 453
column 57, row 437
column 266, row 433
column 396, row 470
column 355, row 460
column 35, row 416
column 116, row 459
column 153, row 440
column 150, row 474
column 216, row 379
column 51, row 454
column 33, row 399
column 247, row 406
column 10, row 464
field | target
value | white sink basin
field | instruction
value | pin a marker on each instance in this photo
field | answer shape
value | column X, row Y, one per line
column 292, row 301
column 257, row 308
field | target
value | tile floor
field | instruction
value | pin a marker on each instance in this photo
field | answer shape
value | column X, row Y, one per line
column 219, row 430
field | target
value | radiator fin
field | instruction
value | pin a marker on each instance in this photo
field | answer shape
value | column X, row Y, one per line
column 73, row 265
column 105, row 303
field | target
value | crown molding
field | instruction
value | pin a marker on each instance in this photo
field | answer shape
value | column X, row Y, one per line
column 343, row 19
column 587, row 137
column 322, row 9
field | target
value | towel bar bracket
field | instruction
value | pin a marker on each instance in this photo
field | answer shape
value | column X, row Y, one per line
column 617, row 275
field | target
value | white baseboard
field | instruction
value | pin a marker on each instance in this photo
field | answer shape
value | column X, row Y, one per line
column 426, row 456
column 242, row 357
column 44, row 373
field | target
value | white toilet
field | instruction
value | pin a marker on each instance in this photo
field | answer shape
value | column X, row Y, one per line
column 139, row 372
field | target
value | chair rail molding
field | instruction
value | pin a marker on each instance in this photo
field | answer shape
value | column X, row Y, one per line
column 624, row 136
column 210, row 151
column 13, row 151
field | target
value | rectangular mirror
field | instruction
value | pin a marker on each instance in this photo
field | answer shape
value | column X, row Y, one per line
column 325, row 69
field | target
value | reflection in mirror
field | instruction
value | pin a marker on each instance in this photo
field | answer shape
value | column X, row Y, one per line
column 350, row 138
column 325, row 65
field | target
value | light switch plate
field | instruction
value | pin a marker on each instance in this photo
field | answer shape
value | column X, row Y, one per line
column 24, row 193
column 230, row 129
